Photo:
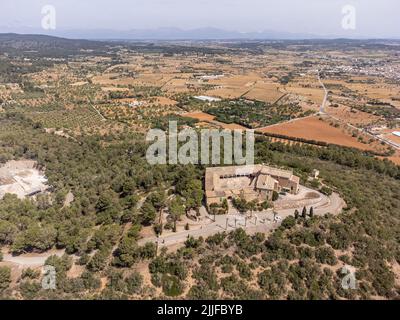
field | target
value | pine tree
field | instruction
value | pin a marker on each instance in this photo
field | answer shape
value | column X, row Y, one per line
column 304, row 213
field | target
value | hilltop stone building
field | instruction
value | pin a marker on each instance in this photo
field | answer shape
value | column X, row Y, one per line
column 256, row 182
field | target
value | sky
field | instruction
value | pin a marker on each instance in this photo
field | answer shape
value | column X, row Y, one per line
column 374, row 18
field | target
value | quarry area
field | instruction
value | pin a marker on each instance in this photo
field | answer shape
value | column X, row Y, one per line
column 22, row 178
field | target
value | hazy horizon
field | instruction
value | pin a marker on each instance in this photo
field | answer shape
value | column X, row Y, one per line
column 94, row 18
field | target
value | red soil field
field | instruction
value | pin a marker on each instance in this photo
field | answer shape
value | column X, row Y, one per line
column 312, row 128
column 202, row 116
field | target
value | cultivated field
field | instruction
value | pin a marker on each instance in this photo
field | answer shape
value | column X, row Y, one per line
column 267, row 92
column 233, row 87
column 206, row 118
column 352, row 116
column 312, row 128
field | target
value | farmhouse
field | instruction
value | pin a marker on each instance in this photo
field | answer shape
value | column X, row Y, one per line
column 135, row 103
column 257, row 182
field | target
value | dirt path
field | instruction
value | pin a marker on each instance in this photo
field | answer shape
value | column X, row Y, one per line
column 260, row 222
column 31, row 259
column 363, row 131
column 98, row 112
column 322, row 108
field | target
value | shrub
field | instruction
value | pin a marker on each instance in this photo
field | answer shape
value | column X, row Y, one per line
column 172, row 286
column 134, row 283
column 5, row 278
column 289, row 222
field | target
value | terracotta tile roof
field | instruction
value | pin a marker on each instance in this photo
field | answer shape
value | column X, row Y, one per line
column 265, row 176
column 266, row 182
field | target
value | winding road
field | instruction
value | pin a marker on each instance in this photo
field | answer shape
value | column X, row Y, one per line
column 260, row 222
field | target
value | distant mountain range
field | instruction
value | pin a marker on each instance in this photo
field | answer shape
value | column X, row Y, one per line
column 180, row 34
column 39, row 45
column 170, row 34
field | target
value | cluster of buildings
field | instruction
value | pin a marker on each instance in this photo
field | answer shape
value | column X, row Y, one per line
column 257, row 182
column 136, row 103
column 390, row 71
column 207, row 98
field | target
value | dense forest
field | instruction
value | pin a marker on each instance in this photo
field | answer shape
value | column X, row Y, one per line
column 255, row 114
column 108, row 175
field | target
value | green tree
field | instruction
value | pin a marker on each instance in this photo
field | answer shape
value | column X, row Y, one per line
column 30, row 273
column 90, row 281
column 134, row 283
column 128, row 188
column 193, row 194
column 8, row 232
column 304, row 212
column 99, row 260
column 107, row 235
column 5, row 278
column 106, row 201
column 29, row 289
column 61, row 264
column 148, row 251
column 289, row 222
column 252, row 205
column 158, row 200
column 36, row 237
column 225, row 205
column 148, row 213
column 176, row 210
column 240, row 204
column 171, row 285
column 126, row 253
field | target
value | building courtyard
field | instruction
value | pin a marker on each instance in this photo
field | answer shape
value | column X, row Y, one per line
column 257, row 182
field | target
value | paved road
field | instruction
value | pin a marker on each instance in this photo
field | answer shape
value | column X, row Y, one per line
column 333, row 204
column 263, row 222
